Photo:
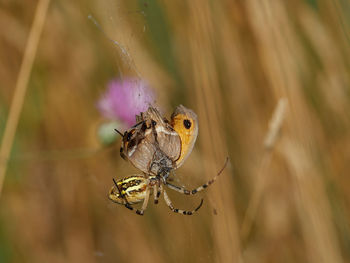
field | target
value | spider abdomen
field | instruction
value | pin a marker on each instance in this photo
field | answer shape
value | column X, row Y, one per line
column 131, row 189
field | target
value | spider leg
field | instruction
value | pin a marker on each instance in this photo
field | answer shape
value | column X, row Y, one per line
column 178, row 189
column 144, row 205
column 172, row 208
column 127, row 205
column 155, row 189
column 198, row 189
column 157, row 192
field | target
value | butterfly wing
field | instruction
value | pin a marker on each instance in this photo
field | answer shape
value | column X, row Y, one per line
column 167, row 138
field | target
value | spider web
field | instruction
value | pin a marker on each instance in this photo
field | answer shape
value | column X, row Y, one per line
column 114, row 21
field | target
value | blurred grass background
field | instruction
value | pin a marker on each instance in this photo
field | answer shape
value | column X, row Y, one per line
column 230, row 61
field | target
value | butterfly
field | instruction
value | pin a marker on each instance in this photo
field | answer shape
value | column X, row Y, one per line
column 156, row 147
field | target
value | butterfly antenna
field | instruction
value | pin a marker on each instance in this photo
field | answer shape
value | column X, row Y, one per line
column 119, row 132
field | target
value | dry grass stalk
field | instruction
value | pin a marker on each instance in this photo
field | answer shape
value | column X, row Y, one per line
column 275, row 126
column 21, row 86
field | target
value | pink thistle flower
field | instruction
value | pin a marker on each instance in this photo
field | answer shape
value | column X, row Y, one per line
column 124, row 99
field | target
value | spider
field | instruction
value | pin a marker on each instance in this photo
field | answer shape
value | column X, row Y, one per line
column 137, row 188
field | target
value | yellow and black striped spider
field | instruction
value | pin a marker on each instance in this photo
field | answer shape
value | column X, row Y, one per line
column 137, row 188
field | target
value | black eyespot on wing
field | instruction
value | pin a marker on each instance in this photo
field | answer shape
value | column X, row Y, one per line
column 154, row 123
column 187, row 124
